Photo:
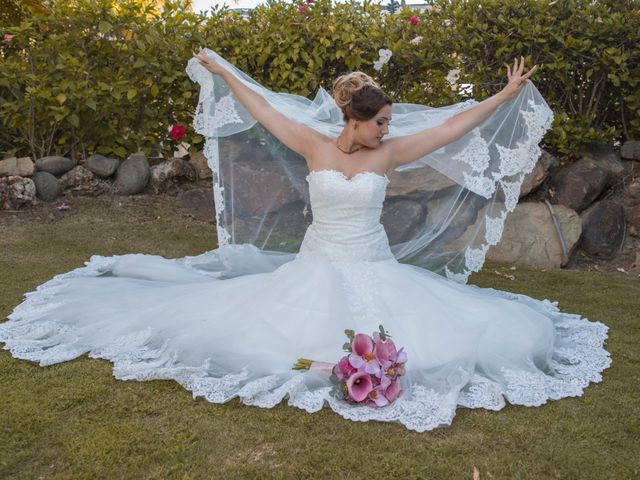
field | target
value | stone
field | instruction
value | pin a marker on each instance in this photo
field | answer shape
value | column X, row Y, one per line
column 603, row 227
column 81, row 180
column 421, row 181
column 199, row 162
column 539, row 174
column 21, row 167
column 16, row 192
column 132, row 175
column 261, row 186
column 55, row 165
column 607, row 159
column 48, row 187
column 633, row 192
column 394, row 215
column 578, row 185
column 630, row 150
column 169, row 173
column 530, row 238
column 633, row 216
column 198, row 203
column 102, row 166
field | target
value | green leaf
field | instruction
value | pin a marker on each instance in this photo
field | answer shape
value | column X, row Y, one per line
column 91, row 103
column 104, row 27
column 61, row 97
column 154, row 90
column 131, row 94
column 74, row 120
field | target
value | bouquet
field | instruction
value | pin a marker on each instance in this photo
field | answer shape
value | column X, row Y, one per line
column 368, row 374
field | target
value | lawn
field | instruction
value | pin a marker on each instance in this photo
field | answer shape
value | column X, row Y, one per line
column 74, row 420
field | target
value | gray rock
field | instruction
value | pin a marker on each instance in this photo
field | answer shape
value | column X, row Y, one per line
column 132, row 175
column 394, row 215
column 16, row 191
column 603, row 226
column 81, row 180
column 22, row 167
column 633, row 216
column 169, row 173
column 48, row 187
column 530, row 238
column 102, row 166
column 607, row 159
column 423, row 181
column 199, row 161
column 633, row 192
column 540, row 172
column 55, row 165
column 262, row 187
column 199, row 204
column 578, row 185
column 630, row 150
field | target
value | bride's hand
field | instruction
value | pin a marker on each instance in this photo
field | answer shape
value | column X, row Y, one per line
column 516, row 81
column 208, row 62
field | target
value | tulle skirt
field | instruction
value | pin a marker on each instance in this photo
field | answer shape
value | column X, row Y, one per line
column 231, row 323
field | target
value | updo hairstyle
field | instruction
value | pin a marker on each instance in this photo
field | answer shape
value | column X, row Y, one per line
column 358, row 96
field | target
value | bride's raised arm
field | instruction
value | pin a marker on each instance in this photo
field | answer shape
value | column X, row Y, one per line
column 296, row 136
column 408, row 148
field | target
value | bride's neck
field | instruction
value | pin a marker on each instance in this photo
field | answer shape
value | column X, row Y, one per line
column 346, row 141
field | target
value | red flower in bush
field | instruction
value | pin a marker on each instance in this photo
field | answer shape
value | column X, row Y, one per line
column 7, row 37
column 177, row 132
column 303, row 9
column 309, row 1
column 414, row 20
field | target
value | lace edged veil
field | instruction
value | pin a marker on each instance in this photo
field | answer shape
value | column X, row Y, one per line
column 441, row 212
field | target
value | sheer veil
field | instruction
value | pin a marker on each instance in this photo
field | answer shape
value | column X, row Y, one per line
column 441, row 212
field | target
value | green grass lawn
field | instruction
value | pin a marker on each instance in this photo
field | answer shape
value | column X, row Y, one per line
column 74, row 420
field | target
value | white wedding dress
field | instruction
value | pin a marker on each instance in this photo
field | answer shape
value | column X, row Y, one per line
column 238, row 336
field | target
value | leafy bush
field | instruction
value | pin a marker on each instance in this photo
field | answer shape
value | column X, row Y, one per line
column 108, row 77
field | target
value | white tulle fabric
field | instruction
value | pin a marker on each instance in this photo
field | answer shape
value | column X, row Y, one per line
column 231, row 322
column 460, row 194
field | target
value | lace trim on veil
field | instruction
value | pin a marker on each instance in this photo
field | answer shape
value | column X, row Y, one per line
column 514, row 164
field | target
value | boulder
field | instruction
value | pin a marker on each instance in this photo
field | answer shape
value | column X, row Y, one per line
column 16, row 191
column 632, row 192
column 169, row 173
column 540, row 172
column 630, row 150
column 423, row 181
column 607, row 159
column 199, row 162
column 394, row 218
column 81, row 180
column 603, row 226
column 198, row 203
column 21, row 167
column 530, row 238
column 262, row 186
column 132, row 175
column 55, row 165
column 48, row 187
column 102, row 166
column 578, row 185
column 633, row 216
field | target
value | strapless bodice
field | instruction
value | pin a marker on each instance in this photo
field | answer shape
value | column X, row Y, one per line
column 346, row 216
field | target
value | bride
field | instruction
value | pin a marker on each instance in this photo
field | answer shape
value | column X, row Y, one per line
column 231, row 322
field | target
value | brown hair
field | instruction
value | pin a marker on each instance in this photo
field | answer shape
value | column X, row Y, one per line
column 358, row 96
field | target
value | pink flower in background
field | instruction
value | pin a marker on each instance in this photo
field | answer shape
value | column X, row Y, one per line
column 309, row 1
column 414, row 20
column 64, row 206
column 7, row 37
column 303, row 9
column 177, row 132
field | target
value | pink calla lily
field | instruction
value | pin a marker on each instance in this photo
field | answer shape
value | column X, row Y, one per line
column 358, row 386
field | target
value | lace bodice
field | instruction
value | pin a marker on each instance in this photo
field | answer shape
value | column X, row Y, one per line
column 346, row 216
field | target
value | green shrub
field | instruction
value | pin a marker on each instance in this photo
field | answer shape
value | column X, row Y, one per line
column 108, row 77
